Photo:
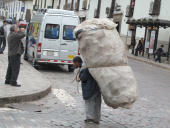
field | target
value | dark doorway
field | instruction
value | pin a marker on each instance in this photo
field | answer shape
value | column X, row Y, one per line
column 118, row 27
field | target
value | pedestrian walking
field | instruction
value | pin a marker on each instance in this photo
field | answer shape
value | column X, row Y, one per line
column 159, row 53
column 140, row 47
column 15, row 50
column 3, row 34
column 91, row 93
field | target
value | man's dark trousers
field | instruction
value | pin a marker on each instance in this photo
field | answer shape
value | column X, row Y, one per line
column 158, row 58
column 13, row 68
column 2, row 44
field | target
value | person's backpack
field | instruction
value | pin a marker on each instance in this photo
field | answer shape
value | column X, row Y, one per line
column 1, row 30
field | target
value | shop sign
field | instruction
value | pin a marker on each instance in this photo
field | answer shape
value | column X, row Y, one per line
column 152, row 41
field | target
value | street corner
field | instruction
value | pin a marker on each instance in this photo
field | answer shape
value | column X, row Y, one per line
column 33, row 86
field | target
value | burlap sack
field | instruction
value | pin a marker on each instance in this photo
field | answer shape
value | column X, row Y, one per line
column 104, row 54
column 117, row 85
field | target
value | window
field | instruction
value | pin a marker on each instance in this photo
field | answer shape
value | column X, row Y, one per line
column 68, row 32
column 34, row 29
column 155, row 7
column 52, row 31
column 30, row 29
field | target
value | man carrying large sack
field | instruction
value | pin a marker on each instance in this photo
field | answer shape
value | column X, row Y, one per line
column 91, row 93
column 104, row 54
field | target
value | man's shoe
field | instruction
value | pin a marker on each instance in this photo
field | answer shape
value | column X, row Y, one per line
column 16, row 85
column 96, row 122
column 91, row 121
column 7, row 82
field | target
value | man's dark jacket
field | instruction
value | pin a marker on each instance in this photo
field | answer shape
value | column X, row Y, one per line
column 89, row 85
column 15, row 45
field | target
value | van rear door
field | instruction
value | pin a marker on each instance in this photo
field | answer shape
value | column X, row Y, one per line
column 51, row 37
column 69, row 45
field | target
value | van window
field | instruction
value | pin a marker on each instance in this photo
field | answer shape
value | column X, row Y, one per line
column 68, row 32
column 36, row 30
column 52, row 31
column 30, row 29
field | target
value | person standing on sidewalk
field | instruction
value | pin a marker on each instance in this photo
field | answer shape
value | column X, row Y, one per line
column 91, row 93
column 3, row 34
column 15, row 50
column 159, row 53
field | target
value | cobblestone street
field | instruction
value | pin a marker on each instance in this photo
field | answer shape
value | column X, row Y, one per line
column 48, row 34
column 64, row 106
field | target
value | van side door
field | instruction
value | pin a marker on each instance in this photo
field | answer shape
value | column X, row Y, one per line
column 69, row 45
column 51, row 37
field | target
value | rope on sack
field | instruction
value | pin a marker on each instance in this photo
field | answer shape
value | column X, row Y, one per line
column 77, row 79
column 85, row 30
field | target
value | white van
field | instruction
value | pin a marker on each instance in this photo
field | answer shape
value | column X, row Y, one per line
column 51, row 39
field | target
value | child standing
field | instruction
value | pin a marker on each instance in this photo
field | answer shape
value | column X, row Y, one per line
column 91, row 93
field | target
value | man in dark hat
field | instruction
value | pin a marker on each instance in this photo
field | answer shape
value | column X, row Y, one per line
column 15, row 50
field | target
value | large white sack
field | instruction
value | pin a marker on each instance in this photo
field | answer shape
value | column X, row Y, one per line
column 102, row 48
column 117, row 84
column 100, row 44
column 104, row 53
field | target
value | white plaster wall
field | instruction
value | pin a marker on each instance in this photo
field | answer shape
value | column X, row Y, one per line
column 124, row 26
column 141, row 11
column 164, row 14
column 28, row 5
column 55, row 4
column 104, row 5
column 93, row 6
column 49, row 3
column 69, row 1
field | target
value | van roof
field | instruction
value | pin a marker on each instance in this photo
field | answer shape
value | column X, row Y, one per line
column 60, row 11
column 38, row 16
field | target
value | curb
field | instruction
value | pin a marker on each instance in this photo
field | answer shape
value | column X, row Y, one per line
column 150, row 62
column 25, row 98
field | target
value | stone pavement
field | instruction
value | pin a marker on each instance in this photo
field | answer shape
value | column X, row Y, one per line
column 64, row 107
column 34, row 85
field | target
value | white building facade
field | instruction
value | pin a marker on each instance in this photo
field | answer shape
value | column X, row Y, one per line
column 16, row 8
column 87, row 10
column 141, row 10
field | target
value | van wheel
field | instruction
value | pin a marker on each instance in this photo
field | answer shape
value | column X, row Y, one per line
column 34, row 63
column 70, row 68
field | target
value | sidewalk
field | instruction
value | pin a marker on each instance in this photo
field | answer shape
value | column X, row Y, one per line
column 34, row 86
column 149, row 61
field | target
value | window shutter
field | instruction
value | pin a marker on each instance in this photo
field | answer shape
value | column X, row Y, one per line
column 157, row 7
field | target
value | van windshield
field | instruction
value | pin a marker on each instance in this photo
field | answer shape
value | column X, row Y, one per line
column 52, row 31
column 68, row 32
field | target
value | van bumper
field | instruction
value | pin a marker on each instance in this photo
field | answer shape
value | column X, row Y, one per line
column 64, row 62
